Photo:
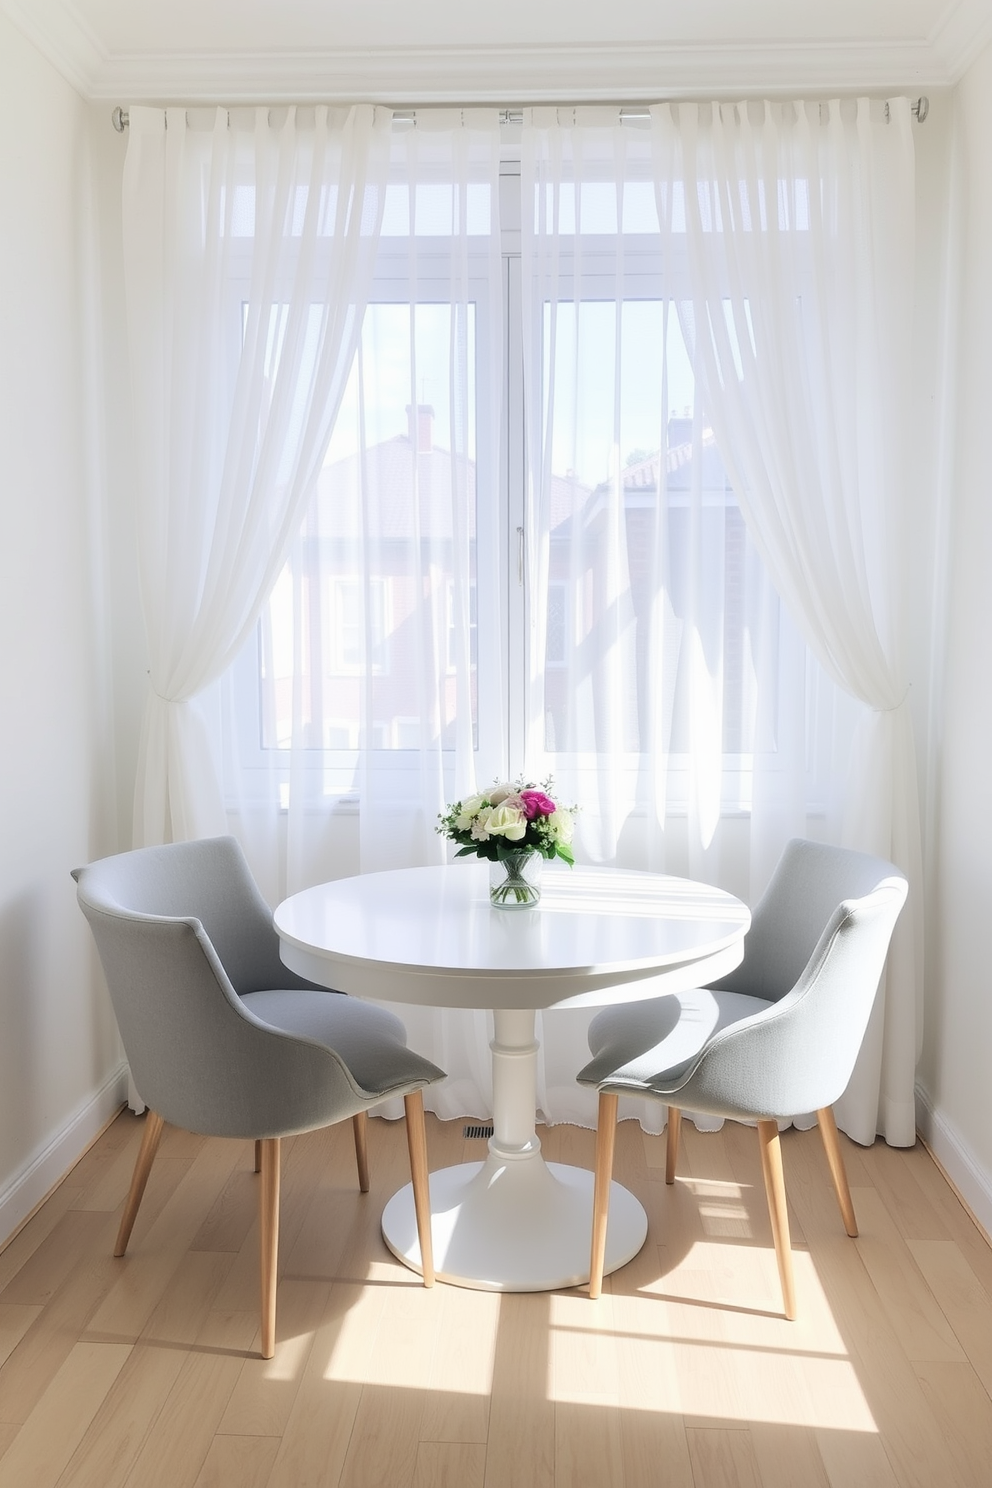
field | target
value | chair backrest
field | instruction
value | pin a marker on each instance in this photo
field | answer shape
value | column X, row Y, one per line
column 210, row 881
column 198, row 1056
column 798, row 1055
column 810, row 880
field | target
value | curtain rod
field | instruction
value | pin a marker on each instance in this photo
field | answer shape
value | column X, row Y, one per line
column 120, row 117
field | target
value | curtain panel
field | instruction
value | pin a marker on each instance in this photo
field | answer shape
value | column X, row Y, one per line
column 799, row 222
column 248, row 242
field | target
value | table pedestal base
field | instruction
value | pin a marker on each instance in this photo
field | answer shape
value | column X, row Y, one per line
column 514, row 1224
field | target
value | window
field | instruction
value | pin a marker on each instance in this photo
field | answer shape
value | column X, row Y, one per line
column 611, row 607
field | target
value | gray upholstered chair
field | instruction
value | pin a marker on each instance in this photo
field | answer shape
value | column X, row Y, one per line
column 225, row 1041
column 776, row 1038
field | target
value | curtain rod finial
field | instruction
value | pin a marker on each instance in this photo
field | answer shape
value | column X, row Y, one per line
column 120, row 120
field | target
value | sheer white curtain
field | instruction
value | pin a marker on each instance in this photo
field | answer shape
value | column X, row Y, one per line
column 665, row 684
column 668, row 691
column 248, row 243
column 378, row 694
column 798, row 220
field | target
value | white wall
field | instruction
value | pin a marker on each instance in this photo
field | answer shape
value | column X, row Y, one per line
column 956, row 1071
column 59, row 1053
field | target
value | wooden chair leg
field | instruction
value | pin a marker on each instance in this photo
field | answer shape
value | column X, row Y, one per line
column 268, row 1213
column 150, row 1139
column 771, row 1167
column 672, row 1149
column 360, row 1124
column 258, row 1156
column 828, row 1131
column 416, row 1141
column 606, row 1131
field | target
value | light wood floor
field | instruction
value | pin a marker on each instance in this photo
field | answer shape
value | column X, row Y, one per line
column 140, row 1373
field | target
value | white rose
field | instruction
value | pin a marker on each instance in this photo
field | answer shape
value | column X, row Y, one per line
column 499, row 793
column 559, row 825
column 506, row 821
column 470, row 810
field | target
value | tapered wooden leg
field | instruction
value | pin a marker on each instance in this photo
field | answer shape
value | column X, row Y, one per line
column 258, row 1157
column 771, row 1167
column 361, row 1128
column 828, row 1131
column 606, row 1131
column 416, row 1141
column 268, row 1213
column 672, row 1149
column 150, row 1139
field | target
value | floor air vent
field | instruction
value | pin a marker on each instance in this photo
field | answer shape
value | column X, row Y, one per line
column 483, row 1129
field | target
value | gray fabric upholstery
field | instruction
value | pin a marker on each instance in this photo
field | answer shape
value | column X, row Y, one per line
column 263, row 1064
column 638, row 1043
column 371, row 1040
column 788, row 1023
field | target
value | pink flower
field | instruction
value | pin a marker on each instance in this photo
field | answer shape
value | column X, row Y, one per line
column 536, row 803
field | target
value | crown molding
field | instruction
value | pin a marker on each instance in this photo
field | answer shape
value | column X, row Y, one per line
column 518, row 74
column 961, row 35
column 61, row 35
column 508, row 75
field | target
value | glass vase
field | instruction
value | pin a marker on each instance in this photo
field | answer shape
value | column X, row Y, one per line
column 515, row 880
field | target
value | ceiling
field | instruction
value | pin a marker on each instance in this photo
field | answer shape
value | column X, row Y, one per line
column 511, row 52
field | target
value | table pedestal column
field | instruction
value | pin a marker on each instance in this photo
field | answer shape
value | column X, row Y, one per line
column 514, row 1223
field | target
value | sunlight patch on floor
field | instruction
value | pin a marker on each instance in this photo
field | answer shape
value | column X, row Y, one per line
column 714, row 1347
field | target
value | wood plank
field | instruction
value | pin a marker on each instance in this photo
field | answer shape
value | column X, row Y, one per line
column 244, row 1460
column 263, row 1398
column 320, row 1424
column 898, row 1407
column 14, row 1323
column 964, row 1411
column 107, row 1450
column 788, row 1456
column 49, row 1340
column 964, row 1300
column 106, row 1454
column 723, row 1459
column 893, row 1172
column 175, row 1449
column 652, row 1429
column 912, row 1310
column 522, row 1418
column 383, row 1447
column 49, row 1436
column 851, row 1457
column 22, row 1245
column 78, row 1233
column 231, row 1215
column 450, row 1465
column 585, row 1386
column 461, row 1379
column 107, row 1188
column 155, row 1252
column 961, row 1225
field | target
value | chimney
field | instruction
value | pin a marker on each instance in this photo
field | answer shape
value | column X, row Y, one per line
column 421, row 436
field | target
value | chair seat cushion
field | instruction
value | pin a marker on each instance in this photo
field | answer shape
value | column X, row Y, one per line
column 648, row 1046
column 369, row 1039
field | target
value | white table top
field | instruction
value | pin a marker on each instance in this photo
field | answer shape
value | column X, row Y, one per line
column 430, row 935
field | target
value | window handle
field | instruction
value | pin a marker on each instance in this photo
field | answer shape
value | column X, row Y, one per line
column 520, row 555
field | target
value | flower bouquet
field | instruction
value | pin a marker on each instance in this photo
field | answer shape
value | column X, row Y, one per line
column 516, row 827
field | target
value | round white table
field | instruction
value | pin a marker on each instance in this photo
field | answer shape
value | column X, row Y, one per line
column 429, row 935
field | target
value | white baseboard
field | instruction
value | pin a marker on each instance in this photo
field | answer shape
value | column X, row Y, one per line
column 39, row 1175
column 972, row 1181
